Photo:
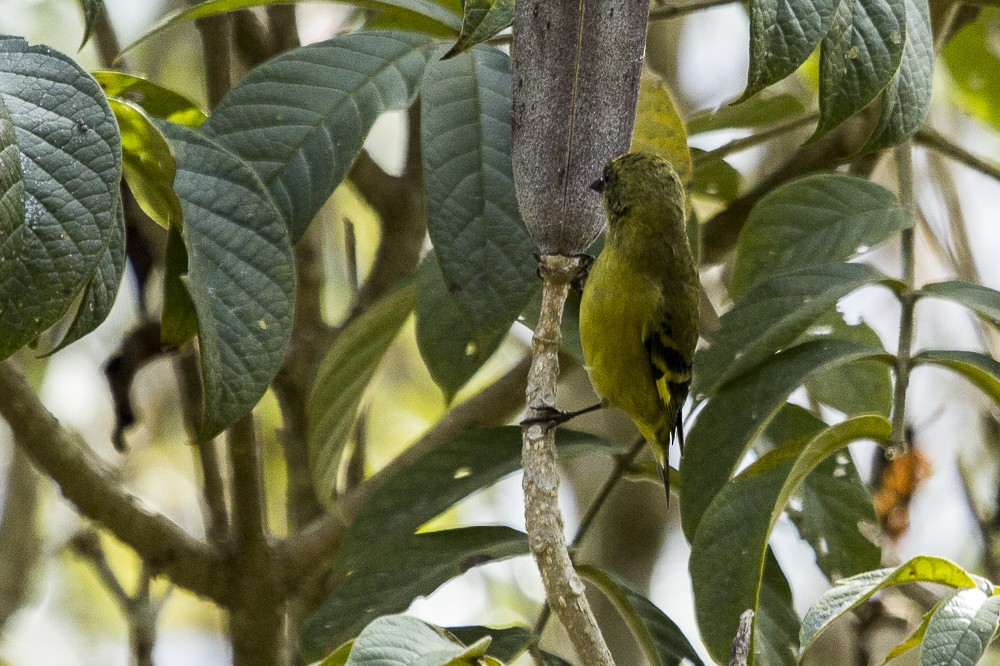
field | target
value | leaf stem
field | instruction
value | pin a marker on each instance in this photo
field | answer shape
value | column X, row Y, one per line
column 898, row 440
column 931, row 139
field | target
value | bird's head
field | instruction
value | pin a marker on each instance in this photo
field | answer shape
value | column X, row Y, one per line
column 641, row 188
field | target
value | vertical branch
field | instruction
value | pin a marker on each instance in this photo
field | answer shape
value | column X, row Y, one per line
column 898, row 442
column 563, row 587
column 215, row 46
column 19, row 539
column 256, row 615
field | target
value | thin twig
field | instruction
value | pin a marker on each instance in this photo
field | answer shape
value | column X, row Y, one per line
column 106, row 40
column 899, row 444
column 19, row 538
column 215, row 39
column 931, row 139
column 739, row 145
column 84, row 481
column 564, row 589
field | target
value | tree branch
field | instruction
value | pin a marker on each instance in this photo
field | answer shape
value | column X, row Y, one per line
column 218, row 63
column 19, row 539
column 899, row 441
column 85, row 482
column 931, row 139
column 543, row 519
column 256, row 615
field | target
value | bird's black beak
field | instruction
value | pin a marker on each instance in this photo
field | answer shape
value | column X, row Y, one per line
column 598, row 185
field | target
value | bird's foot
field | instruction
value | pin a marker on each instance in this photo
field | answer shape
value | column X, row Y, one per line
column 550, row 417
column 586, row 261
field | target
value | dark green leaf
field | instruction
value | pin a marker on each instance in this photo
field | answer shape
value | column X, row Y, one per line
column 776, row 624
column 739, row 412
column 342, row 377
column 11, row 181
column 981, row 370
column 736, row 527
column 507, row 644
column 397, row 18
column 858, row 58
column 782, row 35
column 70, row 159
column 760, row 111
column 241, row 275
column 466, row 463
column 148, row 164
column 301, row 118
column 851, row 592
column 907, row 99
column 180, row 320
column 960, row 629
column 449, row 348
column 436, row 11
column 156, row 100
column 99, row 296
column 968, row 55
column 553, row 660
column 811, row 221
column 90, row 10
column 984, row 301
column 662, row 641
column 388, row 581
column 472, row 218
column 852, row 388
column 483, row 19
column 772, row 316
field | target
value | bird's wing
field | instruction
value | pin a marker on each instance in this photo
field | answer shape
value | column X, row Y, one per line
column 671, row 369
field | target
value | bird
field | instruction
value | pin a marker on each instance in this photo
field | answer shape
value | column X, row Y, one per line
column 639, row 308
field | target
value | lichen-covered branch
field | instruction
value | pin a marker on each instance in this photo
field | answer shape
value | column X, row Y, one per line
column 563, row 587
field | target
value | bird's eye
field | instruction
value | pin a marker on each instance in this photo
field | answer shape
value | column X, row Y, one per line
column 607, row 175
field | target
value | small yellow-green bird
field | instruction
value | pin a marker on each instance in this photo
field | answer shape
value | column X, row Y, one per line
column 639, row 311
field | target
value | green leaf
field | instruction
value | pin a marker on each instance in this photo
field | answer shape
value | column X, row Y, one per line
column 102, row 289
column 907, row 99
column 980, row 369
column 811, row 221
column 736, row 527
column 716, row 178
column 984, row 301
column 431, row 484
column 70, row 160
column 858, row 57
column 482, row 20
column 662, row 641
column 148, row 164
column 851, row 592
column 156, row 100
column 507, row 643
column 399, row 640
column 241, row 275
column 782, row 35
column 968, row 55
column 339, row 656
column 772, row 316
column 397, row 18
column 430, row 9
column 342, row 377
column 179, row 322
column 388, row 581
column 960, row 629
column 776, row 624
column 659, row 127
column 758, row 112
column 472, row 218
column 739, row 412
column 11, row 181
column 450, row 349
column 852, row 388
column 90, row 10
column 834, row 500
column 301, row 118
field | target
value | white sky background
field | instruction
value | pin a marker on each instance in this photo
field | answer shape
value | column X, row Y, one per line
column 945, row 409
